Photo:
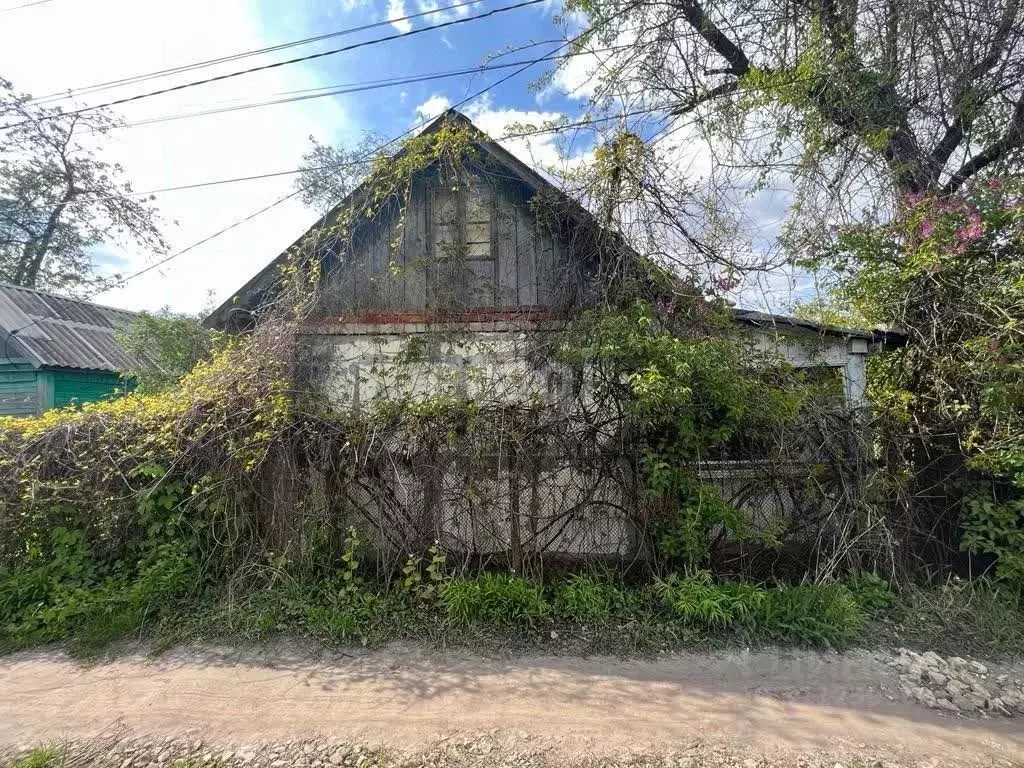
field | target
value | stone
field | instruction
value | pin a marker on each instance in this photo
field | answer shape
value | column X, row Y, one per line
column 955, row 688
column 978, row 668
column 925, row 696
column 164, row 756
column 750, row 763
column 997, row 705
column 933, row 677
column 946, row 705
column 932, row 659
column 964, row 704
column 918, row 672
column 980, row 690
column 958, row 664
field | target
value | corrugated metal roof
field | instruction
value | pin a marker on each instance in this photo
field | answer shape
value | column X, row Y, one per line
column 60, row 332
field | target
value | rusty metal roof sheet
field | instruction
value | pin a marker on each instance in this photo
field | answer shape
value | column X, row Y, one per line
column 57, row 331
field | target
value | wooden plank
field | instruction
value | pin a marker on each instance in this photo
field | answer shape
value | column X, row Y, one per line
column 504, row 250
column 526, row 254
column 449, row 286
column 545, row 264
column 478, row 279
column 415, row 255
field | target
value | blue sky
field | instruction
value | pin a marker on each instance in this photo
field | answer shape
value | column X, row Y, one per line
column 73, row 43
column 100, row 40
column 458, row 46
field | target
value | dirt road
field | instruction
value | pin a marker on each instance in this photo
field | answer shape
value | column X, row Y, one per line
column 765, row 703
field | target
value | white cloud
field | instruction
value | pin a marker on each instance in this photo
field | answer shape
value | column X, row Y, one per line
column 453, row 10
column 432, row 107
column 396, row 12
column 544, row 151
column 96, row 42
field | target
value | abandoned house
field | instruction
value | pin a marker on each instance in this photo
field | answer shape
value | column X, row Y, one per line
column 463, row 275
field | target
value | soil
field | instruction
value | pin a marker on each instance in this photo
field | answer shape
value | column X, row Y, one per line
column 772, row 705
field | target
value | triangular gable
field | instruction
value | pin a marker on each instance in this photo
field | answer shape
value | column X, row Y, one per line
column 256, row 290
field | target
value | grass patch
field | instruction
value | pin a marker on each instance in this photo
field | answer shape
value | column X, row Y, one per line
column 808, row 614
column 571, row 613
column 954, row 617
column 40, row 757
column 494, row 598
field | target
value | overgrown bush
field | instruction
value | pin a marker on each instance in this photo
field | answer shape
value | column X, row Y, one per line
column 495, row 598
column 585, row 598
column 946, row 270
column 809, row 614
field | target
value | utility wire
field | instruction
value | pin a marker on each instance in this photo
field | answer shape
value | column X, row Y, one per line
column 290, row 195
column 24, row 5
column 554, row 128
column 87, row 89
column 310, row 57
column 336, row 90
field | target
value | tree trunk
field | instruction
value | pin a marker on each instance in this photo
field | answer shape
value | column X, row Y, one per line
column 34, row 253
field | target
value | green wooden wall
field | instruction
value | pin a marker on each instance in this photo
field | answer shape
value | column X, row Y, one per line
column 19, row 389
column 26, row 391
column 77, row 387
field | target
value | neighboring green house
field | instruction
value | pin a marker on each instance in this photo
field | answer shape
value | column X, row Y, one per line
column 56, row 351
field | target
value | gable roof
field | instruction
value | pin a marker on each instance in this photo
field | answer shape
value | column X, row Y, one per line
column 60, row 332
column 250, row 294
column 258, row 287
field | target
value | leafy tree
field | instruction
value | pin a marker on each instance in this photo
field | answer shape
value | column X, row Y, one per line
column 166, row 346
column 949, row 271
column 330, row 174
column 850, row 98
column 59, row 199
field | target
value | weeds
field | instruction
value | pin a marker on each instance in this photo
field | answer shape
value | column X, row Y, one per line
column 955, row 617
column 809, row 614
column 40, row 757
column 494, row 598
column 591, row 599
column 69, row 596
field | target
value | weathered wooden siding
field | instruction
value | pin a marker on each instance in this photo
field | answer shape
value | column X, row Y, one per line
column 19, row 390
column 477, row 245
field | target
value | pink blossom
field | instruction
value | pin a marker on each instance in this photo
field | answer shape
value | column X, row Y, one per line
column 725, row 283
column 925, row 229
column 994, row 183
column 915, row 197
column 971, row 231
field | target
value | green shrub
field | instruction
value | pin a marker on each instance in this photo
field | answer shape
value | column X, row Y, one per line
column 586, row 598
column 494, row 598
column 698, row 601
column 871, row 592
column 996, row 527
column 810, row 614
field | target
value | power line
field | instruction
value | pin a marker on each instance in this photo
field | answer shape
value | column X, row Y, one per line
column 336, row 90
column 87, row 89
column 310, row 57
column 24, row 5
column 281, row 200
column 554, row 128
